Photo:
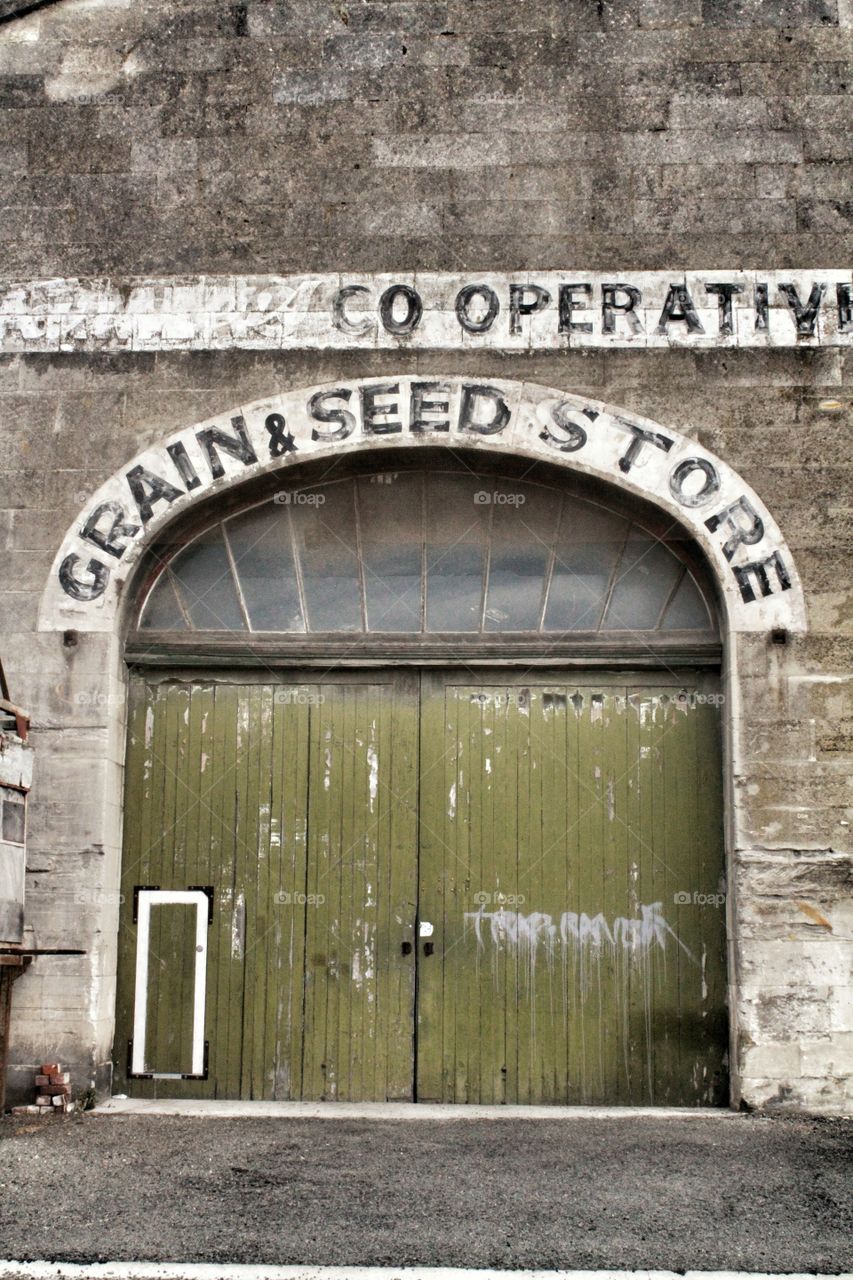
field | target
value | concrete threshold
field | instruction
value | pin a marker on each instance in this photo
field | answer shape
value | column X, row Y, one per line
column 223, row 1110
column 239, row 1271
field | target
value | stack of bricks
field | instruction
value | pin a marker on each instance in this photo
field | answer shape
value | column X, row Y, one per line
column 53, row 1092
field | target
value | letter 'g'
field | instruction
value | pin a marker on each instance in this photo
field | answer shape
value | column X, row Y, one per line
column 81, row 588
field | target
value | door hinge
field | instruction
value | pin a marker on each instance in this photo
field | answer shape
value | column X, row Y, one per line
column 141, row 888
column 207, row 890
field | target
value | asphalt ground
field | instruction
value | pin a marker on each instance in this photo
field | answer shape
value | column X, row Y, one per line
column 745, row 1193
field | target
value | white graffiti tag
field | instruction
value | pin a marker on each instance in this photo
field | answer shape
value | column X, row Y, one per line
column 574, row 931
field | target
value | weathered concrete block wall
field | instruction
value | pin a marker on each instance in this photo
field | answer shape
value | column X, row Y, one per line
column 198, row 135
column 169, row 137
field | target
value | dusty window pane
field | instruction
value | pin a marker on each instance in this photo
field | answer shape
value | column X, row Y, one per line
column 263, row 556
column 390, row 512
column 13, row 809
column 588, row 547
column 325, row 533
column 203, row 577
column 524, row 523
column 457, row 525
column 162, row 611
column 687, row 611
column 409, row 552
column 647, row 574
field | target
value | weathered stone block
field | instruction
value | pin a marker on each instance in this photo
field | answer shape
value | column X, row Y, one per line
column 758, row 13
column 775, row 1060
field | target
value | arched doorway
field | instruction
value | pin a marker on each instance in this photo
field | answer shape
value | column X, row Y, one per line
column 662, row 482
column 424, row 795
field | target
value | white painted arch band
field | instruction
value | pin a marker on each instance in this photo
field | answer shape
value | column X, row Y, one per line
column 742, row 543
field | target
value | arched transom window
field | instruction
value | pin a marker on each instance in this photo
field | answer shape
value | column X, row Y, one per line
column 428, row 553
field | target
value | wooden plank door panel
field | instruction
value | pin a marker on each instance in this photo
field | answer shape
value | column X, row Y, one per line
column 296, row 802
column 361, row 890
column 571, row 863
column 570, row 868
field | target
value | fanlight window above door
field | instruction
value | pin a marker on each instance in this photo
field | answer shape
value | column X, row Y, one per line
column 427, row 552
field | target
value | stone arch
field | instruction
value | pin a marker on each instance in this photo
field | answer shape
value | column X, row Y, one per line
column 744, row 548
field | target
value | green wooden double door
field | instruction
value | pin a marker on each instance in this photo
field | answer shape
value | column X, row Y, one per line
column 456, row 886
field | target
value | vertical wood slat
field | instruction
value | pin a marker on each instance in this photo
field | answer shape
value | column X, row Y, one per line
column 676, row 829
column 438, row 883
column 229, row 1023
column 400, row 810
column 592, row 799
column 352, row 857
column 217, row 784
column 483, row 1034
column 201, row 870
column 552, row 847
column 158, row 1014
column 621, row 879
column 257, row 1071
column 713, row 1083
column 317, row 858
column 285, row 949
column 580, row 778
column 649, row 1026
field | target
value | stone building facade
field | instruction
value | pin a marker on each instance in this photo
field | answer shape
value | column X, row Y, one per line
column 626, row 221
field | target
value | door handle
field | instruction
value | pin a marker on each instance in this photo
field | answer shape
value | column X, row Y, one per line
column 406, row 949
column 429, row 948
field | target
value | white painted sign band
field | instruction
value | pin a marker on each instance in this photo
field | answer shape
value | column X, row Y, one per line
column 543, row 311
